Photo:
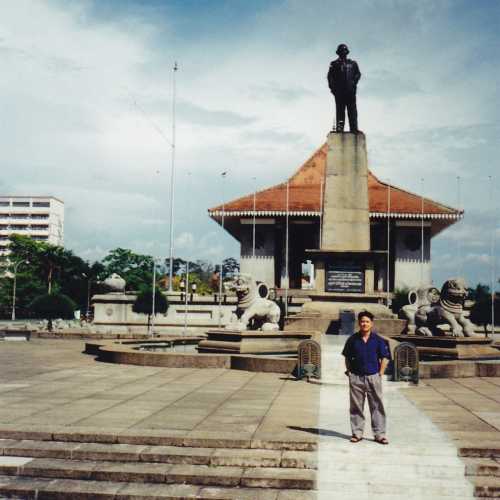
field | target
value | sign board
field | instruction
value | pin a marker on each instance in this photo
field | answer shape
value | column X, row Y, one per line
column 345, row 276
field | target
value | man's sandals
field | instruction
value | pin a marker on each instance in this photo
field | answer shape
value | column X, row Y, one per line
column 381, row 440
column 355, row 439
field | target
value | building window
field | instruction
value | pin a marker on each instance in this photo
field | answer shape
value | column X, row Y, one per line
column 4, row 227
column 19, row 216
column 39, row 216
column 4, row 203
column 20, row 203
column 39, row 227
column 40, row 238
column 19, row 227
column 41, row 203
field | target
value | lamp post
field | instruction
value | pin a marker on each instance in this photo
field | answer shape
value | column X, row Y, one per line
column 223, row 176
column 88, row 278
column 16, row 265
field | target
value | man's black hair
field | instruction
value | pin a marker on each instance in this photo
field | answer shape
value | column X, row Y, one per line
column 368, row 314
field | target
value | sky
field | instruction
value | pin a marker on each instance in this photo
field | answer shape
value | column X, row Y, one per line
column 86, row 112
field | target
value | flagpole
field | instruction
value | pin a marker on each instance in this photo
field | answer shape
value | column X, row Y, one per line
column 422, row 233
column 223, row 176
column 388, row 241
column 172, row 182
column 287, row 279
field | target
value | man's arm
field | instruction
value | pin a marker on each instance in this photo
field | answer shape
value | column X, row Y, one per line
column 357, row 73
column 330, row 79
column 347, row 365
column 383, row 365
column 346, row 352
column 384, row 355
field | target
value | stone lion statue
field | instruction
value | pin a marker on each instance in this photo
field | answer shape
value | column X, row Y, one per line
column 421, row 300
column 252, row 306
column 447, row 308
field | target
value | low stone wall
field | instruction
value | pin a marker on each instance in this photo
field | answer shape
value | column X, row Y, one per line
column 115, row 352
column 388, row 327
column 458, row 369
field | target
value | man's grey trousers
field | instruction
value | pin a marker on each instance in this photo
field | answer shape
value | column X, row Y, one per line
column 369, row 386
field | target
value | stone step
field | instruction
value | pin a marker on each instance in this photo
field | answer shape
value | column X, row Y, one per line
column 195, row 439
column 486, row 487
column 71, row 489
column 367, row 449
column 482, row 467
column 480, row 450
column 404, row 472
column 162, row 454
column 140, row 472
column 407, row 495
column 399, row 488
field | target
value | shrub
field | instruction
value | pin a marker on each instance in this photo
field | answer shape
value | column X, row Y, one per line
column 53, row 305
column 399, row 299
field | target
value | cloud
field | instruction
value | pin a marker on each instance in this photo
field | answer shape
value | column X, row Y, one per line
column 278, row 92
column 184, row 241
column 251, row 98
column 386, row 84
column 274, row 136
column 218, row 118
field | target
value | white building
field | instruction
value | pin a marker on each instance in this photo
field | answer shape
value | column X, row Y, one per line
column 40, row 217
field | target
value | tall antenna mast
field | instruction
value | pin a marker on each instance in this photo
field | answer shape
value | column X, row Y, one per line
column 172, row 180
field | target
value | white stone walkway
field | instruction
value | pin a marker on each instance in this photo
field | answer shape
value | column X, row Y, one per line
column 419, row 462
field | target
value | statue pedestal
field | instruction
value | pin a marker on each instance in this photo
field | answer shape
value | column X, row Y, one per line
column 442, row 348
column 345, row 265
column 252, row 342
column 346, row 216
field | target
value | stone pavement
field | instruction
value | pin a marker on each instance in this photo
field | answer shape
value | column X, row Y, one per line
column 49, row 384
column 420, row 462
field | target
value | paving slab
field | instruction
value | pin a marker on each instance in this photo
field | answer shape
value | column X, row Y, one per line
column 62, row 394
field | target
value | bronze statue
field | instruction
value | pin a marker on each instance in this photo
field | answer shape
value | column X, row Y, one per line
column 343, row 78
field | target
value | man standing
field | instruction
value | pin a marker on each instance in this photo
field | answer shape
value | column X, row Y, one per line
column 366, row 358
column 343, row 78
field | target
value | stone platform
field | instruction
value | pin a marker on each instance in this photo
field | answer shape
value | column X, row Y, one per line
column 253, row 342
column 71, row 427
column 460, row 348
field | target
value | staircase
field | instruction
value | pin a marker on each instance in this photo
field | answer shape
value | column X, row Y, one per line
column 81, row 469
column 482, row 468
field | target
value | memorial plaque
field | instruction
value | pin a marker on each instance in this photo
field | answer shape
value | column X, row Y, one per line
column 345, row 276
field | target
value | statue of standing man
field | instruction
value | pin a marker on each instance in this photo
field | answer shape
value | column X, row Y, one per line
column 343, row 78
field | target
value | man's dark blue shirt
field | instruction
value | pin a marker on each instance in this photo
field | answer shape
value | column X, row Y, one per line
column 363, row 356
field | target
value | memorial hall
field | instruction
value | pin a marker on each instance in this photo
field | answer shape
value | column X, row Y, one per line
column 395, row 246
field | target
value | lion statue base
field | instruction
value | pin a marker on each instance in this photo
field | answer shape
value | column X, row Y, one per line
column 255, row 311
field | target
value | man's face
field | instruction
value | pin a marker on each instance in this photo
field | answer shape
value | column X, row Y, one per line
column 365, row 324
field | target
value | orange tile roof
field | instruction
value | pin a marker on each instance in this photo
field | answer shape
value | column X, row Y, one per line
column 305, row 192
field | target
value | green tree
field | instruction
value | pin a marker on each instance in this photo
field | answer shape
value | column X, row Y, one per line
column 144, row 303
column 53, row 305
column 480, row 313
column 230, row 266
column 50, row 269
column 135, row 269
column 399, row 299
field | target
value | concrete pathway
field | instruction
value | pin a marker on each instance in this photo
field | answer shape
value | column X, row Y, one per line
column 420, row 461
